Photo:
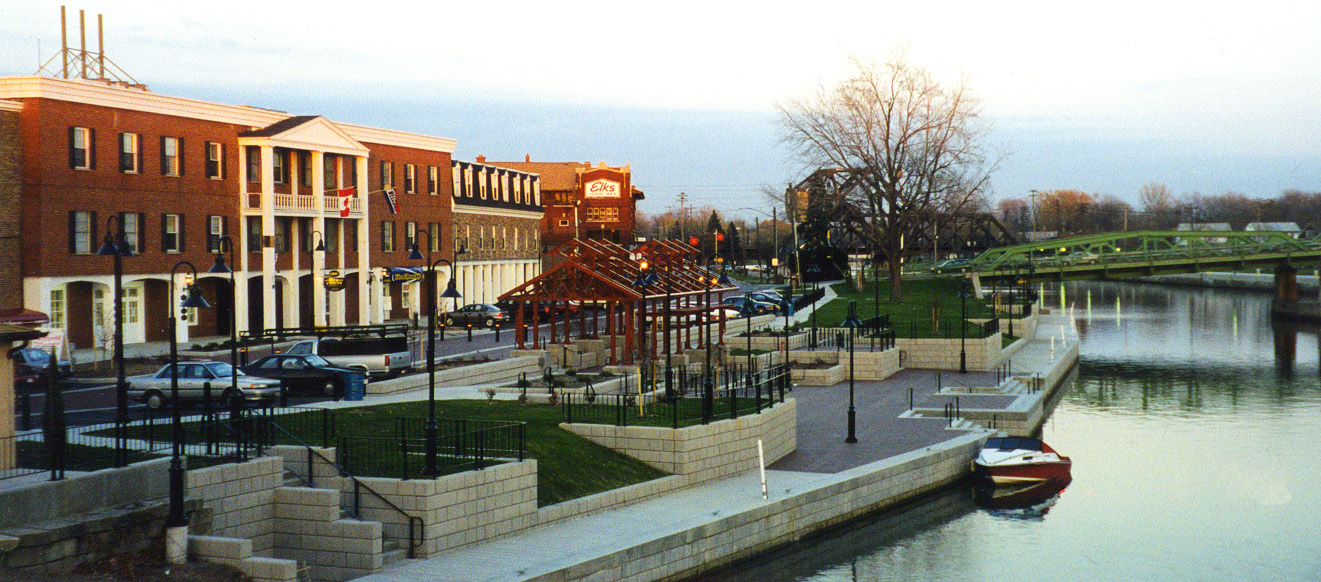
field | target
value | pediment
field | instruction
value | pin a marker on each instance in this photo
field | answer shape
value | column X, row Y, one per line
column 316, row 134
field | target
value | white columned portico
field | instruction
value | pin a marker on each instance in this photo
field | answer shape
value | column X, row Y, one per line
column 318, row 226
column 268, row 237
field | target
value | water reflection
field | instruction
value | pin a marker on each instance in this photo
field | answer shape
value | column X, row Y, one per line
column 1030, row 501
column 1193, row 424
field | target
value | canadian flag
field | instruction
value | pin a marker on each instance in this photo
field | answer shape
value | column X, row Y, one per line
column 345, row 196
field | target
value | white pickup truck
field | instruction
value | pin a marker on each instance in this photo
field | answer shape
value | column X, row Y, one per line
column 378, row 357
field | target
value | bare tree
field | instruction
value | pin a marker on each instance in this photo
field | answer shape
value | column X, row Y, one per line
column 912, row 145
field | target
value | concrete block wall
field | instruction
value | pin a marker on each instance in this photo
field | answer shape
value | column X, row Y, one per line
column 787, row 518
column 485, row 373
column 943, row 354
column 82, row 493
column 239, row 500
column 458, row 509
column 704, row 452
column 309, row 529
column 237, row 553
column 59, row 545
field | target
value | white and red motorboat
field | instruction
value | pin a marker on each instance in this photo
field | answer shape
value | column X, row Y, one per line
column 1020, row 460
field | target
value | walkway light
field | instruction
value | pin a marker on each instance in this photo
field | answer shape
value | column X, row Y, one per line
column 853, row 323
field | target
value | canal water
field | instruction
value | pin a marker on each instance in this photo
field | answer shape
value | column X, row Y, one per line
column 1194, row 426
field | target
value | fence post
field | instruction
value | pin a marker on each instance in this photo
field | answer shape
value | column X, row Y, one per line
column 568, row 406
column 403, row 448
column 522, row 440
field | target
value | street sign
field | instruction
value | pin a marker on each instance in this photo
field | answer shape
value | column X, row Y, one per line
column 334, row 281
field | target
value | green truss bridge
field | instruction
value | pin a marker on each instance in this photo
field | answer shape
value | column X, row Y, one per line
column 1145, row 253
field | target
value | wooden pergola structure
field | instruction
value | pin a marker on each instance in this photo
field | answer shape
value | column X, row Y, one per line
column 655, row 282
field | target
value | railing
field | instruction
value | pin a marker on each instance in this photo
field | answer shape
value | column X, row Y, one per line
column 734, row 391
column 306, row 203
column 946, row 328
column 864, row 340
column 461, row 445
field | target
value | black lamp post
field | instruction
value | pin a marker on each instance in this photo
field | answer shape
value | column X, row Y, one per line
column 708, row 382
column 452, row 292
column 747, row 310
column 224, row 242
column 814, row 271
column 117, row 246
column 963, row 336
column 174, row 552
column 853, row 323
column 645, row 279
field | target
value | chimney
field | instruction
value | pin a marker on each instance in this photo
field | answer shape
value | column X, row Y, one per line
column 481, row 159
column 527, row 158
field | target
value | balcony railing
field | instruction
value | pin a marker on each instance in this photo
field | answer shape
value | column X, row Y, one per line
column 306, row 204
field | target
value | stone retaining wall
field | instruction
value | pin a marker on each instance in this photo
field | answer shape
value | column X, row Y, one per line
column 238, row 501
column 854, row 493
column 943, row 354
column 704, row 452
column 475, row 374
column 81, row 493
column 309, row 529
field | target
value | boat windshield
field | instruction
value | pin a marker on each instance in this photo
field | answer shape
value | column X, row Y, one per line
column 1013, row 443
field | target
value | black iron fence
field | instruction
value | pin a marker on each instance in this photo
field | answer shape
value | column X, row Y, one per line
column 864, row 340
column 461, row 445
column 691, row 398
column 946, row 328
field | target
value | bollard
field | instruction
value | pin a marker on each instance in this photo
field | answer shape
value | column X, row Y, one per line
column 469, row 332
column 497, row 333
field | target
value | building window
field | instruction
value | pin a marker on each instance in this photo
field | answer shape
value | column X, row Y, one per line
column 387, row 236
column 130, row 223
column 328, row 174
column 305, row 169
column 282, row 235
column 130, row 305
column 387, row 174
column 215, row 226
column 57, row 308
column 82, row 154
column 252, row 154
column 410, row 234
column 254, row 234
column 433, row 180
column 280, row 163
column 171, row 159
column 564, row 223
column 604, row 214
column 130, row 153
column 82, row 232
column 410, row 178
column 215, row 160
column 172, row 233
column 483, row 178
column 433, row 229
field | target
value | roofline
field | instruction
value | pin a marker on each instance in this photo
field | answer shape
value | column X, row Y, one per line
column 119, row 97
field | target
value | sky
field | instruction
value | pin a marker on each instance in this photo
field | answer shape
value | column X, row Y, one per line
column 1104, row 97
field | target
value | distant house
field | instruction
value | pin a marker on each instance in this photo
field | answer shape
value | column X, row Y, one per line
column 1289, row 227
column 1206, row 227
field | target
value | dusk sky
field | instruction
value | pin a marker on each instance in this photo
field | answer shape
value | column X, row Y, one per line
column 1102, row 98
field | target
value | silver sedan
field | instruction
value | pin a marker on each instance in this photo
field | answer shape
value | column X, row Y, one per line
column 194, row 380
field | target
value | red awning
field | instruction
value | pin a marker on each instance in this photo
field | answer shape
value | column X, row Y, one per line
column 21, row 316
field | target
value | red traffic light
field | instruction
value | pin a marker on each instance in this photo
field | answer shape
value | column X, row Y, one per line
column 720, row 236
column 692, row 240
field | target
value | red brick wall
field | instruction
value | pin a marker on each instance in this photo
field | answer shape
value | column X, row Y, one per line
column 11, row 280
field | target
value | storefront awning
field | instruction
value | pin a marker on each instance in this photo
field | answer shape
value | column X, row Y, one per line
column 20, row 316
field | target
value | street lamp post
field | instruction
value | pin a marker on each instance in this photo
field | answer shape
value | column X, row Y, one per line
column 708, row 383
column 219, row 267
column 853, row 323
column 963, row 336
column 432, row 431
column 645, row 279
column 117, row 246
column 176, row 546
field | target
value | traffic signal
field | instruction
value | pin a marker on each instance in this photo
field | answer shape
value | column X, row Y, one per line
column 692, row 240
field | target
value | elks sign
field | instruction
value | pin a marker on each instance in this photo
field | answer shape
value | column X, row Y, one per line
column 603, row 189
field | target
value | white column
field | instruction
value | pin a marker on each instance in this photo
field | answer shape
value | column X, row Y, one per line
column 268, row 234
column 241, row 268
column 319, row 226
column 369, row 303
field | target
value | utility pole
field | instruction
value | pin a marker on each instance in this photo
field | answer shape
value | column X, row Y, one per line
column 682, row 216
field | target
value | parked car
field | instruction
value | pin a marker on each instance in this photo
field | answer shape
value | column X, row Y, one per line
column 540, row 308
column 951, row 266
column 375, row 356
column 483, row 314
column 769, row 297
column 40, row 358
column 195, row 378
column 302, row 373
column 761, row 306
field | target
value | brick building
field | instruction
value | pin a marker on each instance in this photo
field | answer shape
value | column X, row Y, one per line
column 497, row 221
column 177, row 176
column 583, row 201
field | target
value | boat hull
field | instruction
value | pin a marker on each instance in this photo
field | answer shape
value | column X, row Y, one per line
column 1025, row 472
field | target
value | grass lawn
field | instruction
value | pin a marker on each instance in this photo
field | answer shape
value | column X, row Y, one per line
column 568, row 466
column 921, row 298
